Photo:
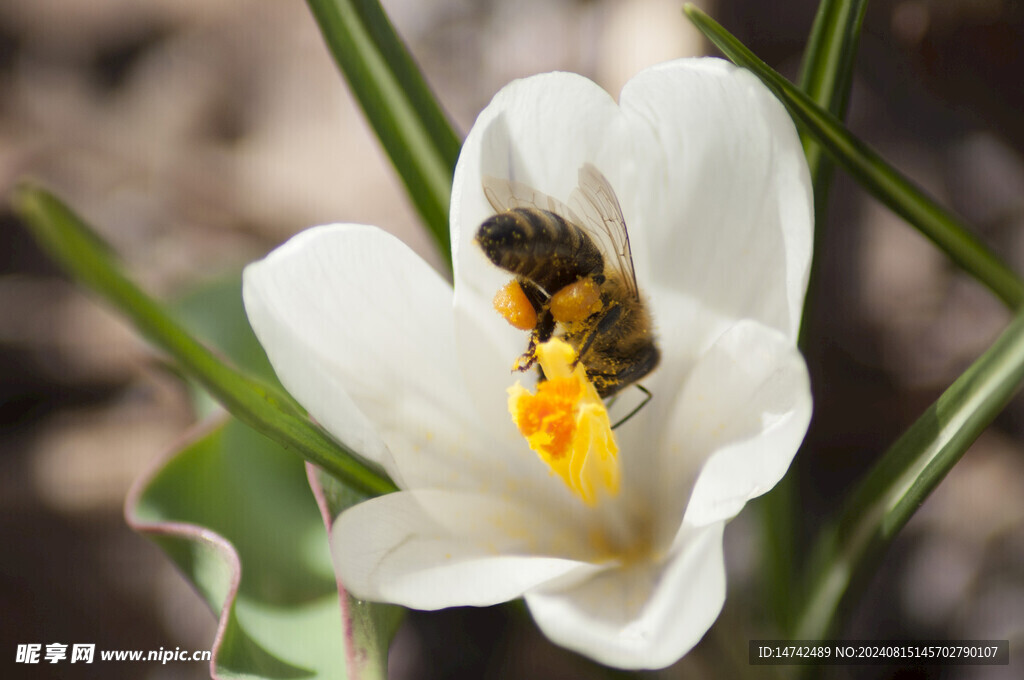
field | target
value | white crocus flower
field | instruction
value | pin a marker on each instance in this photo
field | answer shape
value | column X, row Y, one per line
column 715, row 191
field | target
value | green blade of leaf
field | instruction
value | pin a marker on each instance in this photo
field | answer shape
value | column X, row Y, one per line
column 77, row 248
column 398, row 103
column 826, row 77
column 898, row 484
column 827, row 73
column 880, row 179
column 214, row 313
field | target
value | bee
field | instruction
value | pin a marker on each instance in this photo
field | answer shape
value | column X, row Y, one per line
column 574, row 277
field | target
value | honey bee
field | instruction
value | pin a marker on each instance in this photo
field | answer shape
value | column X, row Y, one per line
column 574, row 277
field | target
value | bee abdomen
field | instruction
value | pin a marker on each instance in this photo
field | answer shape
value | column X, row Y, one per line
column 539, row 246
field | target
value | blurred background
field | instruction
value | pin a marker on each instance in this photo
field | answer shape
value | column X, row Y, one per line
column 197, row 134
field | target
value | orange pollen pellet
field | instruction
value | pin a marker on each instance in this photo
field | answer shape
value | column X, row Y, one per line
column 576, row 301
column 512, row 304
column 552, row 411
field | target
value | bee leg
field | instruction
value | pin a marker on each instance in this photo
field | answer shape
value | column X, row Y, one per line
column 535, row 295
column 610, row 318
column 541, row 334
column 528, row 358
column 639, row 406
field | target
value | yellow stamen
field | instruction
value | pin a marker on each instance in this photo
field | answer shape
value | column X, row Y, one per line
column 567, row 425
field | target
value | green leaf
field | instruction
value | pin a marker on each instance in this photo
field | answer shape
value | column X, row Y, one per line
column 900, row 482
column 234, row 512
column 77, row 248
column 214, row 311
column 287, row 619
column 373, row 624
column 397, row 102
column 879, row 178
column 826, row 77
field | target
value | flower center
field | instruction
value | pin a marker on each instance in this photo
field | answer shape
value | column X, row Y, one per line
column 567, row 424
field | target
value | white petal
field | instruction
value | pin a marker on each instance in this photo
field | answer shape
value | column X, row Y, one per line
column 740, row 419
column 360, row 331
column 435, row 549
column 645, row 615
column 732, row 422
column 734, row 220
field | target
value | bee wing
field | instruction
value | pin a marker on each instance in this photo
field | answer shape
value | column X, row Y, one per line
column 506, row 194
column 595, row 203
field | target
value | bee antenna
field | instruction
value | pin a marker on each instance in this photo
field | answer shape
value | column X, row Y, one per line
column 639, row 406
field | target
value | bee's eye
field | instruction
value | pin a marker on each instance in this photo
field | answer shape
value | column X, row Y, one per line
column 577, row 301
column 511, row 302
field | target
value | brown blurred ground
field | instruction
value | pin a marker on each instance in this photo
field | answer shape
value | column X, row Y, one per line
column 196, row 134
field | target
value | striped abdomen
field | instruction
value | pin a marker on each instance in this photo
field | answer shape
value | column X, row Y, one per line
column 539, row 246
